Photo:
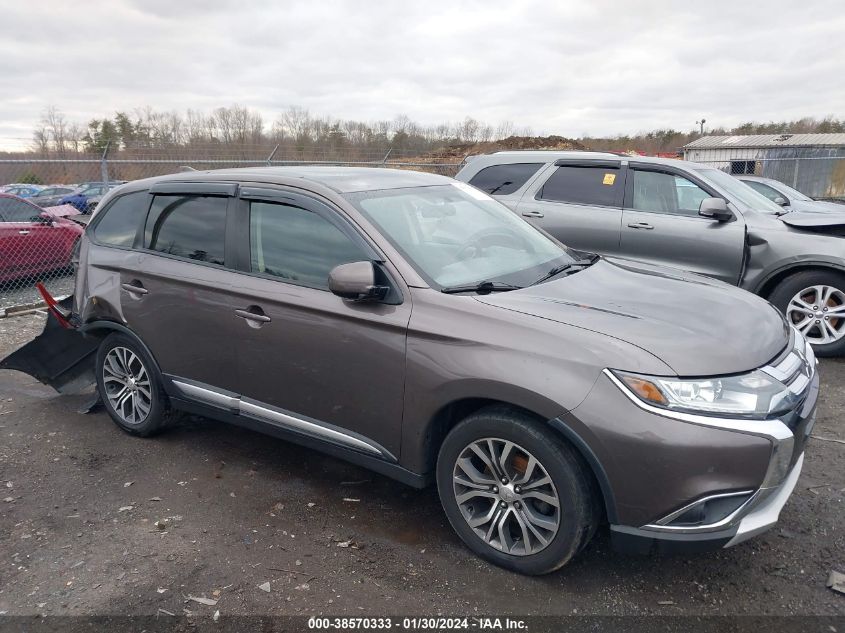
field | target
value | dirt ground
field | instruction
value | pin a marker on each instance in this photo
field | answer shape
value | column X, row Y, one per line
column 80, row 500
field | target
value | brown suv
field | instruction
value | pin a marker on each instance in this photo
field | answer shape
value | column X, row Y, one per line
column 412, row 324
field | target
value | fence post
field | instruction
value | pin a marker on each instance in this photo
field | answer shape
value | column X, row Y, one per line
column 795, row 175
column 384, row 160
column 104, row 164
column 273, row 153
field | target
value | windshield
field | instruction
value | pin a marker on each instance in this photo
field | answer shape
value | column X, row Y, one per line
column 793, row 193
column 739, row 192
column 456, row 235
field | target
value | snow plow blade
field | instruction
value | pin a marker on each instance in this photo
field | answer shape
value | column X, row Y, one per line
column 60, row 356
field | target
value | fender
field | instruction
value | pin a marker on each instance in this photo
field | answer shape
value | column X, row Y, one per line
column 593, row 462
column 89, row 328
column 764, row 279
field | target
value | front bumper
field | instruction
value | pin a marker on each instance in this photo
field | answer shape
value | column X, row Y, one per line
column 759, row 515
column 742, row 512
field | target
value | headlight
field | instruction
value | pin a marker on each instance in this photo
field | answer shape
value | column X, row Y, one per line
column 752, row 395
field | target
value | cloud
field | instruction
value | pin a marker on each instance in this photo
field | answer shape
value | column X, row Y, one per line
column 601, row 67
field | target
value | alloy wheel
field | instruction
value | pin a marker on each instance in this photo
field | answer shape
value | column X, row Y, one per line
column 819, row 314
column 127, row 385
column 506, row 496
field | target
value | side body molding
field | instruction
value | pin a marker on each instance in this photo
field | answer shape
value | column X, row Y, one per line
column 234, row 403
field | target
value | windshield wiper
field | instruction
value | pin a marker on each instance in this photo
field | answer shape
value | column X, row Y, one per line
column 572, row 266
column 482, row 288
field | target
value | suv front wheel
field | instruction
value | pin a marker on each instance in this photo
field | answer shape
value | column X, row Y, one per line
column 814, row 302
column 517, row 495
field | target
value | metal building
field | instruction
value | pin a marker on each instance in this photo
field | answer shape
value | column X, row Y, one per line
column 812, row 163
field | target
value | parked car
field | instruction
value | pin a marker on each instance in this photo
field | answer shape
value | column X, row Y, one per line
column 684, row 215
column 50, row 196
column 21, row 190
column 412, row 324
column 88, row 196
column 32, row 240
column 787, row 197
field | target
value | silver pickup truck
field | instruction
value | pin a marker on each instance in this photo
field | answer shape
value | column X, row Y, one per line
column 684, row 215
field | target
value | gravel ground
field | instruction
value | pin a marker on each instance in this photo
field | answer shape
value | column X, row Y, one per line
column 78, row 530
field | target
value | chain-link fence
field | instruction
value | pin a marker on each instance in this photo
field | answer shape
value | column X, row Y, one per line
column 46, row 200
column 817, row 172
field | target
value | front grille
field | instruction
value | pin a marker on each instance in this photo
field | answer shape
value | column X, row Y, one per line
column 797, row 369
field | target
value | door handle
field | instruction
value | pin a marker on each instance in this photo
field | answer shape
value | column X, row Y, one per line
column 135, row 288
column 254, row 316
column 640, row 225
column 23, row 232
column 533, row 214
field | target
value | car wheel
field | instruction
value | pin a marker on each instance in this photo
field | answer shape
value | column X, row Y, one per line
column 518, row 495
column 129, row 386
column 814, row 302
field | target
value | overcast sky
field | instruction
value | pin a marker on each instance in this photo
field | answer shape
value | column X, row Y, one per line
column 569, row 68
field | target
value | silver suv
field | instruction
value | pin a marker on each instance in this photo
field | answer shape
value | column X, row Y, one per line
column 685, row 215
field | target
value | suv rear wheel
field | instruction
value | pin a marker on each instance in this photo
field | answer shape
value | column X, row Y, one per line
column 814, row 302
column 129, row 386
column 516, row 494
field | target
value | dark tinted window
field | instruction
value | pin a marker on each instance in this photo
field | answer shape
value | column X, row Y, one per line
column 298, row 245
column 120, row 220
column 12, row 210
column 192, row 227
column 584, row 185
column 500, row 180
column 666, row 193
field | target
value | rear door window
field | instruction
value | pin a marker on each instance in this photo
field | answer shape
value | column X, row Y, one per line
column 500, row 180
column 297, row 245
column 599, row 186
column 118, row 224
column 188, row 226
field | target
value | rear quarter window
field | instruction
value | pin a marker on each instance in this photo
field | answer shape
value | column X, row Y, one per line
column 118, row 224
column 500, row 180
column 600, row 186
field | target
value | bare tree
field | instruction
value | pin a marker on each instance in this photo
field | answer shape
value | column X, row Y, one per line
column 41, row 139
column 56, row 126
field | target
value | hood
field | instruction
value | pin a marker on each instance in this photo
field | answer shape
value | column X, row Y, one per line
column 817, row 206
column 812, row 219
column 62, row 211
column 697, row 326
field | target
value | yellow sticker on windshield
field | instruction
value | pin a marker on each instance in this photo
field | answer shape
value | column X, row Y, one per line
column 609, row 179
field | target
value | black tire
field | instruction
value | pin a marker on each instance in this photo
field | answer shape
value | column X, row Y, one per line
column 159, row 413
column 794, row 284
column 580, row 501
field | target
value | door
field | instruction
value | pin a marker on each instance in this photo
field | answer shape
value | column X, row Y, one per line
column 579, row 203
column 27, row 246
column 176, row 292
column 661, row 225
column 304, row 353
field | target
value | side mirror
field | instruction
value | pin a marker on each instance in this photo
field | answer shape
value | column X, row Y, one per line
column 715, row 209
column 781, row 201
column 356, row 281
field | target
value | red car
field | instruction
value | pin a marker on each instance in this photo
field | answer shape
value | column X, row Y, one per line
column 33, row 240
